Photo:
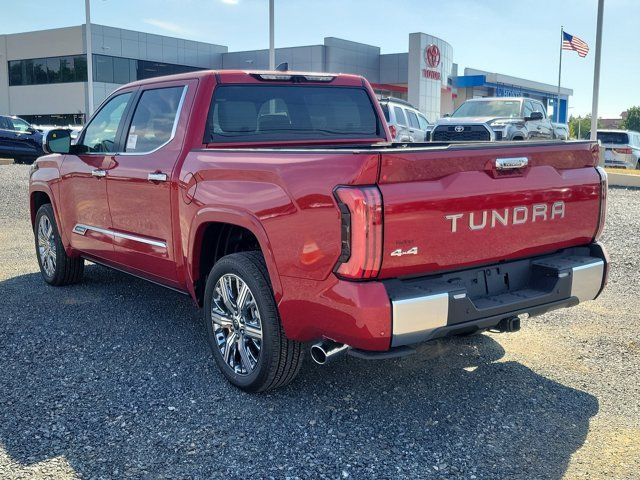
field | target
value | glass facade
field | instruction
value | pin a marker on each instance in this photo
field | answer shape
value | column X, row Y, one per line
column 39, row 71
column 73, row 68
column 124, row 70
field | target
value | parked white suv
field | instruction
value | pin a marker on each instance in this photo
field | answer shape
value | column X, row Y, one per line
column 405, row 122
column 621, row 148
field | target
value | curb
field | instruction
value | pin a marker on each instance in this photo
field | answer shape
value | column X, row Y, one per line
column 622, row 180
column 6, row 161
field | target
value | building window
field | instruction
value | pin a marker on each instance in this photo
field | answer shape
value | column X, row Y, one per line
column 73, row 68
column 41, row 71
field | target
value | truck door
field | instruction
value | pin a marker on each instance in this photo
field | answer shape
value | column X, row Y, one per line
column 83, row 189
column 545, row 129
column 139, row 183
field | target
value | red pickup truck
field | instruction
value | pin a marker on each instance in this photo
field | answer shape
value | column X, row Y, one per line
column 277, row 202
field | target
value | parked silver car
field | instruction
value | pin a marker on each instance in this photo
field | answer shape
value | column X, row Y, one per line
column 498, row 118
column 621, row 148
column 405, row 122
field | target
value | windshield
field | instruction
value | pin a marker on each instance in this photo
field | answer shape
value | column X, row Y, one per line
column 615, row 138
column 250, row 113
column 489, row 108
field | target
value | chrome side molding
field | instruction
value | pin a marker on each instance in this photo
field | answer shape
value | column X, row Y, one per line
column 81, row 229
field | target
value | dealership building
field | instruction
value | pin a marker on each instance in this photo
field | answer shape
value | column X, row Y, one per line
column 43, row 74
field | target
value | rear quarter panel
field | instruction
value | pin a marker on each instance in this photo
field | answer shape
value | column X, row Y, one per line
column 284, row 197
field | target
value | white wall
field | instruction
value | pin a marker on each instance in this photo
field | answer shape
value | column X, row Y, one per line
column 47, row 99
column 45, row 43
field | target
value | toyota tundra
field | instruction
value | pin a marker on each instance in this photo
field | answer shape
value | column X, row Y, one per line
column 278, row 203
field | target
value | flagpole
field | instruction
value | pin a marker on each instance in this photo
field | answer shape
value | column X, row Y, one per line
column 557, row 109
column 596, row 73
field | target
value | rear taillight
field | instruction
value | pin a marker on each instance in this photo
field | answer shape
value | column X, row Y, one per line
column 604, row 183
column 361, row 231
column 624, row 151
column 393, row 131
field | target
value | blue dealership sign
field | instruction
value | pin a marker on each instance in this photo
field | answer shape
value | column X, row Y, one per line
column 508, row 91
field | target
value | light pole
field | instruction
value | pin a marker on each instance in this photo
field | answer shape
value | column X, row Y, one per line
column 272, row 50
column 87, row 12
column 596, row 73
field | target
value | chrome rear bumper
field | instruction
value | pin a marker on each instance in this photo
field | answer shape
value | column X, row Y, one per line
column 430, row 307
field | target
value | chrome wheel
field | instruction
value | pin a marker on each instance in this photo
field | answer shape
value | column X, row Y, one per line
column 236, row 324
column 47, row 246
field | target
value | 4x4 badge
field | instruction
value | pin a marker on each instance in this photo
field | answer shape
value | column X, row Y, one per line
column 399, row 252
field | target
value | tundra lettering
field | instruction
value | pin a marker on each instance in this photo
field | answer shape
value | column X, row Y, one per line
column 519, row 216
column 278, row 202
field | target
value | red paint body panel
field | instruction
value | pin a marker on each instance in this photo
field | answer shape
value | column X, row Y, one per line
column 445, row 184
column 284, row 195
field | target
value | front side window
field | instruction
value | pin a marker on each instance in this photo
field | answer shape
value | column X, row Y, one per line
column 424, row 123
column 400, row 118
column 154, row 119
column 528, row 109
column 250, row 113
column 100, row 134
column 20, row 125
column 537, row 107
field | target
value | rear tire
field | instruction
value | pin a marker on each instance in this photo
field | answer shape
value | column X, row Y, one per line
column 243, row 325
column 56, row 267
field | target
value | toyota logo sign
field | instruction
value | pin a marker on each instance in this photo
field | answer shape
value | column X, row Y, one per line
column 459, row 129
column 432, row 56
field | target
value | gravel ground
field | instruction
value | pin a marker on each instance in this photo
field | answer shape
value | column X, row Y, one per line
column 113, row 378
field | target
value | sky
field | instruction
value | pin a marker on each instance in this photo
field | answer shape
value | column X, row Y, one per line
column 512, row 37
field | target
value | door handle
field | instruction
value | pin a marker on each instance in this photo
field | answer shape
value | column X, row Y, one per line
column 98, row 173
column 157, row 177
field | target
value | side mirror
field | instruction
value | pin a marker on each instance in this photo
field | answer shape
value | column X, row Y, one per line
column 446, row 115
column 31, row 130
column 536, row 116
column 57, row 141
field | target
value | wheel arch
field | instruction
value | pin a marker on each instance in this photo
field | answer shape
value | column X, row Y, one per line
column 220, row 226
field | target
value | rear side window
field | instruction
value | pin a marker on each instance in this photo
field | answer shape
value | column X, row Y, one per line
column 413, row 119
column 615, row 138
column 154, row 119
column 400, row 118
column 250, row 113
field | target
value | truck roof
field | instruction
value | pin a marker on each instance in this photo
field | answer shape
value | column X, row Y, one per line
column 253, row 76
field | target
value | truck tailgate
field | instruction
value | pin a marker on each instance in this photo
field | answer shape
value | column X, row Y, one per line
column 447, row 209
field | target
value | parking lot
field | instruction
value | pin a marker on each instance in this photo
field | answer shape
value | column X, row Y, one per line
column 113, row 378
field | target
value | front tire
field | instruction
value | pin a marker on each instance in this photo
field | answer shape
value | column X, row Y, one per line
column 56, row 267
column 243, row 325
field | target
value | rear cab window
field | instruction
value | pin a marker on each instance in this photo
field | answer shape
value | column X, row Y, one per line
column 256, row 113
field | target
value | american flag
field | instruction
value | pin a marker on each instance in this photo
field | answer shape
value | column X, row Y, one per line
column 571, row 42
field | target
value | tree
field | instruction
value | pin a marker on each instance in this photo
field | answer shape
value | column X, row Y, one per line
column 581, row 125
column 632, row 122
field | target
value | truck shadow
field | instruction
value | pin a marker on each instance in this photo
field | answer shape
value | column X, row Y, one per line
column 115, row 378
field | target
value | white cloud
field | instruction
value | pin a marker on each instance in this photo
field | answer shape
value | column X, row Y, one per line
column 168, row 26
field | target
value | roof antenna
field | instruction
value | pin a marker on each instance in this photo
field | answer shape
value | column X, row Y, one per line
column 283, row 67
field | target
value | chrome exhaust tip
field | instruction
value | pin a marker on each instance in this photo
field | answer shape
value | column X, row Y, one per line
column 327, row 351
